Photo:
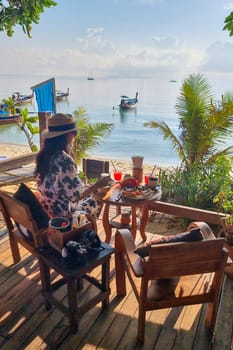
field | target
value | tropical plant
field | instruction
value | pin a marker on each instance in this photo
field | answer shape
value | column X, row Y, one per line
column 29, row 130
column 204, row 126
column 89, row 135
column 23, row 13
column 193, row 187
column 223, row 201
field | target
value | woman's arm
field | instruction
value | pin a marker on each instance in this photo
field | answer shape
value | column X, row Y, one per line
column 100, row 183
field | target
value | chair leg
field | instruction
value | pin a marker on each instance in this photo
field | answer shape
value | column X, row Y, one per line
column 119, row 267
column 14, row 249
column 211, row 314
column 141, row 323
column 120, row 275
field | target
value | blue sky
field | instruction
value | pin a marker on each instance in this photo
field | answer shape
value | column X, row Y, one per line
column 124, row 38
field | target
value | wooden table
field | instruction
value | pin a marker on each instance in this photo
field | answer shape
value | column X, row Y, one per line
column 72, row 274
column 115, row 199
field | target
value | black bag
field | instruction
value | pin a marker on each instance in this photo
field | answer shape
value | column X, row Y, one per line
column 90, row 239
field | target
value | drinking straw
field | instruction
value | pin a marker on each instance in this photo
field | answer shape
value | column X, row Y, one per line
column 153, row 170
column 113, row 166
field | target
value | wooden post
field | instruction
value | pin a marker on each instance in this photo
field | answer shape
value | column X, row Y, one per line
column 43, row 123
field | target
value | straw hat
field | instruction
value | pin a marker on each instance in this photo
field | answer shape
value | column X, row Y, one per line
column 59, row 124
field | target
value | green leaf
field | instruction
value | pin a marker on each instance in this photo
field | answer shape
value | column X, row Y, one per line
column 23, row 13
column 32, row 119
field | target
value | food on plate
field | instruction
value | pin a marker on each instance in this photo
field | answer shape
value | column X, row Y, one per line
column 136, row 192
column 129, row 182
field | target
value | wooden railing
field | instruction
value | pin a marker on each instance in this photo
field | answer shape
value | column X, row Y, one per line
column 210, row 217
column 17, row 169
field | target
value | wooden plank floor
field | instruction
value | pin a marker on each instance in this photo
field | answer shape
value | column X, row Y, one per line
column 25, row 324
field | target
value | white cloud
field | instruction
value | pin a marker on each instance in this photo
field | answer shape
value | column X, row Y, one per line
column 219, row 58
column 228, row 6
column 95, row 43
column 166, row 55
column 167, row 43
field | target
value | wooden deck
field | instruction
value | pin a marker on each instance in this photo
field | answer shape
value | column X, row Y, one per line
column 25, row 324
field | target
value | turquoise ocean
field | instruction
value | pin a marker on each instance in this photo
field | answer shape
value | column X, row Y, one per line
column 157, row 99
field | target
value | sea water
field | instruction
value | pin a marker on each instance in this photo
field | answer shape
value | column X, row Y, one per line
column 101, row 98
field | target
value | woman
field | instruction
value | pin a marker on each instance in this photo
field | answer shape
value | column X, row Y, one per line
column 60, row 188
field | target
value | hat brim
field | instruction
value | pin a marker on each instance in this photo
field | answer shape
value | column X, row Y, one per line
column 46, row 134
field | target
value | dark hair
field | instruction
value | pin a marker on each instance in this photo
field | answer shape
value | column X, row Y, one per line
column 50, row 148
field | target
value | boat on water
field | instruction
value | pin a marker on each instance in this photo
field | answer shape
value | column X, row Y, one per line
column 90, row 76
column 128, row 103
column 5, row 118
column 8, row 114
column 61, row 95
column 21, row 99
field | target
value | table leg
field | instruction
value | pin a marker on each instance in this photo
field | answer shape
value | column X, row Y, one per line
column 144, row 219
column 134, row 222
column 106, row 225
column 72, row 302
column 118, row 210
column 106, row 281
column 45, row 282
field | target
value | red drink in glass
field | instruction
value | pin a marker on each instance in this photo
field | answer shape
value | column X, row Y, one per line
column 117, row 175
column 146, row 179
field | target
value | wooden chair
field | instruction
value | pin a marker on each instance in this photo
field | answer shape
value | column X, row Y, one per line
column 174, row 274
column 14, row 211
column 93, row 168
column 19, row 220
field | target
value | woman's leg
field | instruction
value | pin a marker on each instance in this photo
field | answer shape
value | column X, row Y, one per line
column 90, row 205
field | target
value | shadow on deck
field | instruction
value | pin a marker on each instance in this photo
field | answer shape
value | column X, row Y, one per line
column 26, row 324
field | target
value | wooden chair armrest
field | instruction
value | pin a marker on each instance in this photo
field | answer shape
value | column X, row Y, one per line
column 124, row 243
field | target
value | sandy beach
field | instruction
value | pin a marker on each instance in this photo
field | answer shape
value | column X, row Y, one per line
column 12, row 150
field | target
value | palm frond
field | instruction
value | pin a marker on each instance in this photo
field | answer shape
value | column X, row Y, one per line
column 88, row 135
column 168, row 134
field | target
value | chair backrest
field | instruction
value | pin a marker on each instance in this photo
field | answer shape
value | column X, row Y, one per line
column 93, row 168
column 184, row 258
column 15, row 212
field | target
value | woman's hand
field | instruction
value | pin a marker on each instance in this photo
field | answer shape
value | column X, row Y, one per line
column 105, row 181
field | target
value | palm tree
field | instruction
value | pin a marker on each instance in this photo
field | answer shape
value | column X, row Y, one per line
column 205, row 165
column 89, row 135
column 204, row 126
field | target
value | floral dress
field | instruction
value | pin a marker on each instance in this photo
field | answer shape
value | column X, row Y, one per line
column 61, row 189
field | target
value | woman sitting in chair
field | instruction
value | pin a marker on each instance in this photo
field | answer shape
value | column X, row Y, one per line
column 60, row 188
